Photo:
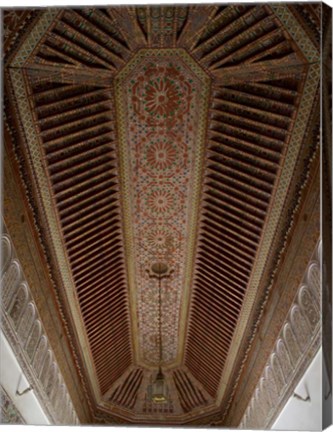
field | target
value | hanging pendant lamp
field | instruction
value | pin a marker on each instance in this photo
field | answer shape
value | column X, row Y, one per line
column 159, row 387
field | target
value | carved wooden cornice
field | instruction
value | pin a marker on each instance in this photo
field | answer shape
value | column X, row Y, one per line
column 295, row 348
column 22, row 326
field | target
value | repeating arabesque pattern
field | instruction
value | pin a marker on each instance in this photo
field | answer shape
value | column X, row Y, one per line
column 166, row 97
column 22, row 327
column 164, row 107
column 299, row 338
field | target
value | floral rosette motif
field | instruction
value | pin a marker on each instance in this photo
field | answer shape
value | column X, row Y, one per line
column 161, row 201
column 163, row 155
column 161, row 240
column 161, row 95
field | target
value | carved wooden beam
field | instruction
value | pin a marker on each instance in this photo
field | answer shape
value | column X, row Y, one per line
column 196, row 22
column 69, row 75
column 261, row 71
column 129, row 26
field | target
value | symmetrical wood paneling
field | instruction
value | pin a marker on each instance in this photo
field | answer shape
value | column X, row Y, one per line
column 249, row 128
column 76, row 124
column 189, row 394
column 257, row 70
column 125, row 394
column 88, row 38
column 241, row 34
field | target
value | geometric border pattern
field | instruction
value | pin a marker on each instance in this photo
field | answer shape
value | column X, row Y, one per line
column 296, row 31
column 34, row 37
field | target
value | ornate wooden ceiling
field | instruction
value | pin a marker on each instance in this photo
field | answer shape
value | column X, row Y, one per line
column 160, row 133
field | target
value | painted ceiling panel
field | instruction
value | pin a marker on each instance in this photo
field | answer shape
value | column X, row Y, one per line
column 161, row 134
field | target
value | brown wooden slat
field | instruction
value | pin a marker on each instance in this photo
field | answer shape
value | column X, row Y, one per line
column 260, row 71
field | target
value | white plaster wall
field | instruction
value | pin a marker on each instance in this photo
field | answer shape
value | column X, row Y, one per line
column 12, row 379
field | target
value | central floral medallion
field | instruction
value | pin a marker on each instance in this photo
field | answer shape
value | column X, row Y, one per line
column 161, row 102
column 162, row 94
column 162, row 97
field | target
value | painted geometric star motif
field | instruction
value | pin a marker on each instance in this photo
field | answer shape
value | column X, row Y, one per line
column 162, row 239
column 162, row 97
column 161, row 94
column 160, row 201
column 162, row 111
column 163, row 154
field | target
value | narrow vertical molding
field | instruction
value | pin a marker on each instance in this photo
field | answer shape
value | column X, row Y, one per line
column 326, row 208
